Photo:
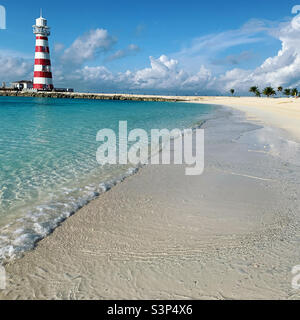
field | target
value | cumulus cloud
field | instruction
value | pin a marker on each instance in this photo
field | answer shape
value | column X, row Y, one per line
column 170, row 75
column 166, row 75
column 163, row 75
column 88, row 46
column 13, row 68
column 280, row 70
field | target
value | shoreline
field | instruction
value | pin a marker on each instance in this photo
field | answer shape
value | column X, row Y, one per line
column 92, row 96
column 283, row 113
column 280, row 112
column 141, row 241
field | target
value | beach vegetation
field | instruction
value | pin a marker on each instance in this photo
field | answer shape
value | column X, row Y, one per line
column 232, row 91
column 257, row 93
column 254, row 90
column 294, row 92
column 269, row 91
column 287, row 92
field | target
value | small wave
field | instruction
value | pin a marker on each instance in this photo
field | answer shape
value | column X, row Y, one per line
column 23, row 234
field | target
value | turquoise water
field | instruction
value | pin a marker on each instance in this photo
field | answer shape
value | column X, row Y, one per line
column 48, row 166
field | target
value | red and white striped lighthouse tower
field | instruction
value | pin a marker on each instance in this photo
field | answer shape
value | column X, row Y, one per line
column 42, row 65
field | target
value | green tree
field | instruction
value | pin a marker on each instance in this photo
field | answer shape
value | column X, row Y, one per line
column 294, row 92
column 269, row 91
column 254, row 90
column 279, row 89
column 287, row 92
column 232, row 91
column 257, row 93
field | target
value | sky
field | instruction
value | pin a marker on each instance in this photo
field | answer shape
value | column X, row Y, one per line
column 159, row 47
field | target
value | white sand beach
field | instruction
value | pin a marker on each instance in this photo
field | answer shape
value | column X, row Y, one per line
column 280, row 112
column 231, row 233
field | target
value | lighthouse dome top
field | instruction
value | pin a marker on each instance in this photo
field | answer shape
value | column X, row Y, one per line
column 41, row 22
column 41, row 26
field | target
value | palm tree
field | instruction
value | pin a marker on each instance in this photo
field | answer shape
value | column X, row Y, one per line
column 232, row 91
column 287, row 92
column 279, row 89
column 269, row 91
column 254, row 90
column 294, row 92
column 257, row 93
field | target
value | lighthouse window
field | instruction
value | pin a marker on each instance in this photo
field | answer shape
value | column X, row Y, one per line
column 45, row 68
column 43, row 49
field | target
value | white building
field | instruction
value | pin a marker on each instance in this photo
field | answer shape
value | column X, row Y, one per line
column 22, row 85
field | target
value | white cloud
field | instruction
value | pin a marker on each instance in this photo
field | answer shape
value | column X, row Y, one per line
column 280, row 70
column 167, row 74
column 163, row 75
column 201, row 50
column 88, row 46
column 95, row 74
column 13, row 68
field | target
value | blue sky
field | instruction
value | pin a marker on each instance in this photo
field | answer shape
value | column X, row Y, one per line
column 138, row 30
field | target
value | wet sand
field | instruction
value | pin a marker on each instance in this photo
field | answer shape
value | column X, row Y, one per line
column 231, row 233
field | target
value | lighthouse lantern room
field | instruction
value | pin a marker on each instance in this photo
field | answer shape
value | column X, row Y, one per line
column 42, row 65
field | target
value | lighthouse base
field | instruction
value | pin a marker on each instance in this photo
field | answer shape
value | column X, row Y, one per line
column 42, row 87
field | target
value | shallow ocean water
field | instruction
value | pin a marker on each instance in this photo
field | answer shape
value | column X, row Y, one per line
column 48, row 166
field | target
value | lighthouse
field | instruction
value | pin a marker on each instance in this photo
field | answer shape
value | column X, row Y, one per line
column 42, row 65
